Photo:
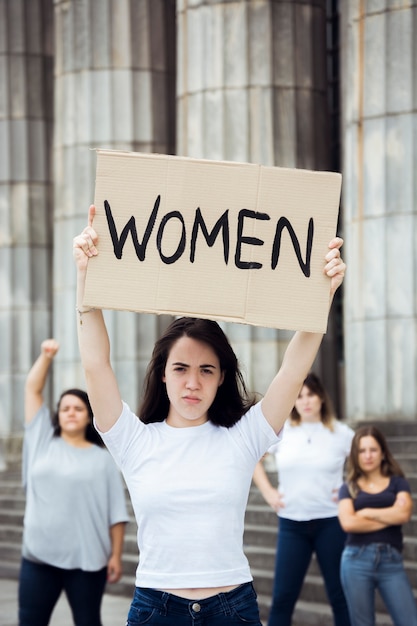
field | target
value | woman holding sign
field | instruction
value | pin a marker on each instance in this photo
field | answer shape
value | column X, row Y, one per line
column 189, row 457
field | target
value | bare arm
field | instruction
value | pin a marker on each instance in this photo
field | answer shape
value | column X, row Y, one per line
column 271, row 495
column 36, row 378
column 397, row 514
column 351, row 522
column 301, row 352
column 114, row 565
column 93, row 339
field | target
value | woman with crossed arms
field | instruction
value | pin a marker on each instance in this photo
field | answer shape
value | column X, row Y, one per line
column 374, row 503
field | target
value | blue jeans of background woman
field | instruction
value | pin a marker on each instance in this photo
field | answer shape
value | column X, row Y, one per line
column 159, row 608
column 295, row 546
column 377, row 566
column 40, row 586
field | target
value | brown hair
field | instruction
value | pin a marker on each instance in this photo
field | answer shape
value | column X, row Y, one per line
column 389, row 466
column 232, row 399
column 91, row 434
column 314, row 384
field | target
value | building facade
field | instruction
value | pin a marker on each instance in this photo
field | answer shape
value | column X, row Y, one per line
column 314, row 84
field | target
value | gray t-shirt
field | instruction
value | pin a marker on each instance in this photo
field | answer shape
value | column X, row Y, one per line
column 73, row 496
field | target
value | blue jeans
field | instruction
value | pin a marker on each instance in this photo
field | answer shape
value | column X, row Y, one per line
column 377, row 566
column 40, row 586
column 295, row 546
column 159, row 608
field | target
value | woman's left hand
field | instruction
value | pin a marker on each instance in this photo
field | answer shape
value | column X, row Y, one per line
column 335, row 267
column 114, row 569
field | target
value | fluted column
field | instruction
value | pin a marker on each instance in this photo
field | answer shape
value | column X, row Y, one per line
column 26, row 49
column 379, row 98
column 252, row 86
column 114, row 88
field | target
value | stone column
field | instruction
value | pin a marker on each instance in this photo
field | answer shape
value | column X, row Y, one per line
column 114, row 88
column 26, row 57
column 379, row 97
column 252, row 87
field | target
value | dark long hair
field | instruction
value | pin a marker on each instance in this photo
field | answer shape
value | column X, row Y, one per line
column 389, row 466
column 90, row 432
column 232, row 399
column 314, row 384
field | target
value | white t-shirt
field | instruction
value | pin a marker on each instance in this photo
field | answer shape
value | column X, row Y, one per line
column 189, row 489
column 310, row 461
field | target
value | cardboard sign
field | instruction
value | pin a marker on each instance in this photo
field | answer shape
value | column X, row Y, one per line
column 229, row 241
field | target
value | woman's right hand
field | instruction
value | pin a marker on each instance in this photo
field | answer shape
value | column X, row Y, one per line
column 275, row 499
column 49, row 348
column 84, row 245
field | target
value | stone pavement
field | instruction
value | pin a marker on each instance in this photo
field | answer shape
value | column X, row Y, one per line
column 114, row 608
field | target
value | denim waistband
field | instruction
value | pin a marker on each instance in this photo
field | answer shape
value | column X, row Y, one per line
column 221, row 603
column 375, row 546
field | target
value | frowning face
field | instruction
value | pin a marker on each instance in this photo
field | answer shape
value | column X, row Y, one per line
column 192, row 376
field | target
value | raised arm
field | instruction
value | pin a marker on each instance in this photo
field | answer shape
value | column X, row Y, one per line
column 93, row 339
column 300, row 353
column 36, row 379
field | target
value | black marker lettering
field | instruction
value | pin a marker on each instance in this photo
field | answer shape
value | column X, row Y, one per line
column 181, row 245
column 118, row 243
column 253, row 241
column 284, row 223
column 222, row 223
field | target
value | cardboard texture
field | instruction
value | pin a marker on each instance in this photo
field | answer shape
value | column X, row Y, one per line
column 247, row 270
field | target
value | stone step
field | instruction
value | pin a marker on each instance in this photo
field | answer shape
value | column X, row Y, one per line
column 407, row 462
column 10, row 487
column 11, row 532
column 12, row 501
column 410, row 528
column 10, row 551
column 9, row 569
column 130, row 563
column 412, row 479
column 131, row 544
column 392, row 429
column 260, row 513
column 403, row 445
column 260, row 557
column 410, row 547
column 11, row 517
column 258, row 535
